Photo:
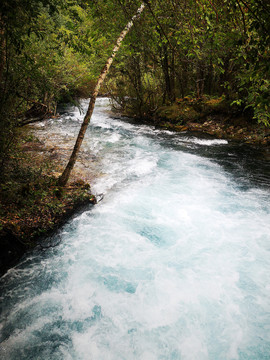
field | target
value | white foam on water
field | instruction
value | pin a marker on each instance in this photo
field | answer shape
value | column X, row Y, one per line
column 173, row 264
column 208, row 142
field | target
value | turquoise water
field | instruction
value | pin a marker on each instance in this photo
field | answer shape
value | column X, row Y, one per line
column 174, row 263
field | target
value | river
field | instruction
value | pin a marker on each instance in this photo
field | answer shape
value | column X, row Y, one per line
column 173, row 263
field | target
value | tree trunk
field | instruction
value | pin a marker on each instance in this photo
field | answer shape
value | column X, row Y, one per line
column 166, row 73
column 2, row 50
column 172, row 77
column 63, row 179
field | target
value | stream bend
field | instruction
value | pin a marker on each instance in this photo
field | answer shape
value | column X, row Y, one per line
column 173, row 263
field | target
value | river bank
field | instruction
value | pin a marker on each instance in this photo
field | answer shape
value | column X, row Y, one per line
column 32, row 205
column 222, row 127
column 214, row 116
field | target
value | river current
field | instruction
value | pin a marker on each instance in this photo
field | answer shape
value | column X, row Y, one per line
column 173, row 263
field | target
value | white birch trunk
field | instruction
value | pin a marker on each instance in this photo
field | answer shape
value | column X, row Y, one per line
column 63, row 179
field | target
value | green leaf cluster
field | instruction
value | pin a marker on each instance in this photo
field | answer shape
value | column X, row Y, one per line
column 49, row 52
column 193, row 48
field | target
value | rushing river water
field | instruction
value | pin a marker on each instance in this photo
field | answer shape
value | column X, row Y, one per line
column 174, row 263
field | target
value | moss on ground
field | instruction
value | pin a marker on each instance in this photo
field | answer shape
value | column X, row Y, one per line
column 213, row 116
column 32, row 208
column 31, row 202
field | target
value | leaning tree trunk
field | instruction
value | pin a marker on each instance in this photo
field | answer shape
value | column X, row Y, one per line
column 63, row 179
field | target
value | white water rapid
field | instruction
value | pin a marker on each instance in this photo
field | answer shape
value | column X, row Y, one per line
column 174, row 263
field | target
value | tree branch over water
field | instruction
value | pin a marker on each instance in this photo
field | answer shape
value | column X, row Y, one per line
column 63, row 179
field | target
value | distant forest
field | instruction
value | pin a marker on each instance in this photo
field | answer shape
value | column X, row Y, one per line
column 52, row 51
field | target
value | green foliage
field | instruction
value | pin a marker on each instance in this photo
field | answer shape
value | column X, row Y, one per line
column 49, row 52
column 253, row 58
column 195, row 48
column 53, row 50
